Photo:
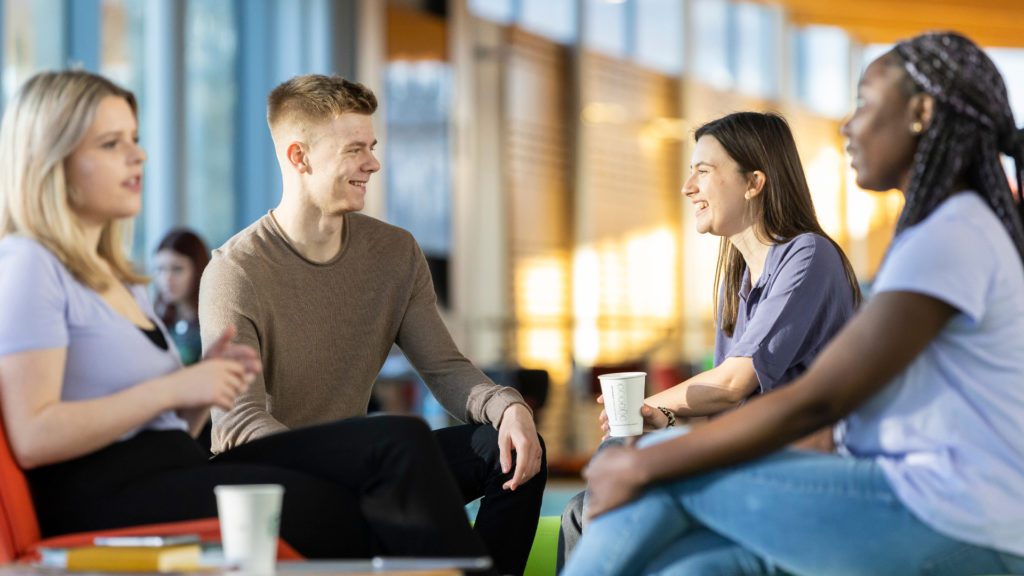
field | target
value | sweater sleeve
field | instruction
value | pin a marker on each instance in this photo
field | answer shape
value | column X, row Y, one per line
column 226, row 298
column 463, row 390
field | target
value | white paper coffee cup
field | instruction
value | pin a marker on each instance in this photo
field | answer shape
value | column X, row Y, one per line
column 623, row 397
column 250, row 516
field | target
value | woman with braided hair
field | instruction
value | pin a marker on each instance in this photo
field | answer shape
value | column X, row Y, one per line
column 926, row 382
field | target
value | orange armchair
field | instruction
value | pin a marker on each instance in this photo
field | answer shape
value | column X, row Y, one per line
column 20, row 539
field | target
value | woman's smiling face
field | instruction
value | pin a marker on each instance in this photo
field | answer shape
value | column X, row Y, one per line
column 717, row 187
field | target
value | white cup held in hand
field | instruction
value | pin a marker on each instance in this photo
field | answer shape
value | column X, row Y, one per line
column 623, row 397
column 250, row 516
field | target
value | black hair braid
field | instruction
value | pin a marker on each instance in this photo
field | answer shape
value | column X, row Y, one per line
column 937, row 162
column 971, row 124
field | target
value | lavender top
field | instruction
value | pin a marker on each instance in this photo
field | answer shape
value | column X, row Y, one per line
column 43, row 306
column 800, row 302
column 947, row 430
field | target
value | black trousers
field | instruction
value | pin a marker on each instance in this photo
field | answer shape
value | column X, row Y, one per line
column 507, row 520
column 353, row 489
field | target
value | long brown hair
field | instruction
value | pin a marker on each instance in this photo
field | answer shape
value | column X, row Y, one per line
column 782, row 211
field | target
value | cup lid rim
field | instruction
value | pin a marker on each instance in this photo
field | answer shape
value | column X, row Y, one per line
column 621, row 375
column 249, row 487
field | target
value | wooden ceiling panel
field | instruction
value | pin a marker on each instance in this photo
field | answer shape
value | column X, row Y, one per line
column 989, row 22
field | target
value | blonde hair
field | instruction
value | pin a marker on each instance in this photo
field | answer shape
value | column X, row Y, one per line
column 313, row 98
column 43, row 124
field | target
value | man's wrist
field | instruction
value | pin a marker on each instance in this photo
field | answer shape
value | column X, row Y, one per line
column 506, row 412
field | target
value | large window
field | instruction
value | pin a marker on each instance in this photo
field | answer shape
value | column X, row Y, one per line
column 659, row 34
column 604, row 27
column 30, row 44
column 757, row 41
column 501, row 11
column 210, row 102
column 823, row 70
column 713, row 43
column 552, row 19
column 418, row 172
column 121, row 44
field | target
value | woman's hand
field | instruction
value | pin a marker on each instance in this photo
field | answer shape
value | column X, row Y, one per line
column 614, row 477
column 214, row 382
column 226, row 349
column 653, row 419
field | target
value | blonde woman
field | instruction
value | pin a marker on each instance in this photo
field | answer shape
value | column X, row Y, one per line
column 96, row 405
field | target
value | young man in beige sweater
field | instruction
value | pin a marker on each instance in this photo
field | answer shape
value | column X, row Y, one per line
column 323, row 292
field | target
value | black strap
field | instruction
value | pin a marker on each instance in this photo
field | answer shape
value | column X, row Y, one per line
column 156, row 336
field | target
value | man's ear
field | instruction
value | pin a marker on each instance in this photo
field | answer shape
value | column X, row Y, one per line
column 297, row 157
column 755, row 184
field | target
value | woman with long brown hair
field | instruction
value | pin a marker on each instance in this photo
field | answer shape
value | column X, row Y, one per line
column 783, row 287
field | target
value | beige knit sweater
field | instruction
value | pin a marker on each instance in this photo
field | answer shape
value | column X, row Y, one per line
column 323, row 330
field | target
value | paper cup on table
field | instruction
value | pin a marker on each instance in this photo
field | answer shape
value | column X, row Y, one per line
column 623, row 397
column 250, row 515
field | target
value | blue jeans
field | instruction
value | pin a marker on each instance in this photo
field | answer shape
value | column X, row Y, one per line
column 790, row 513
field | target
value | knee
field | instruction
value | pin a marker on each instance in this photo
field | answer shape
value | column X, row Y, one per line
column 485, row 444
column 572, row 516
column 402, row 431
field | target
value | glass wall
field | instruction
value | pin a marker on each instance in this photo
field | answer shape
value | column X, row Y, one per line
column 604, row 27
column 210, row 103
column 823, row 70
column 30, row 44
column 758, row 29
column 659, row 35
column 552, row 19
column 713, row 43
column 418, row 160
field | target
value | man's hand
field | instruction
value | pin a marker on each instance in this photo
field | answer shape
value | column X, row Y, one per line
column 614, row 477
column 518, row 433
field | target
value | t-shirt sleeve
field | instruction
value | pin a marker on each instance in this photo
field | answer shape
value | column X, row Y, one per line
column 33, row 300
column 945, row 259
column 787, row 315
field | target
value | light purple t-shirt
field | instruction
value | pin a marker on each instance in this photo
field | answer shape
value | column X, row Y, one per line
column 949, row 431
column 43, row 306
column 801, row 301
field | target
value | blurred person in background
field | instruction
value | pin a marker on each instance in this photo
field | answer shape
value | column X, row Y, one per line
column 180, row 260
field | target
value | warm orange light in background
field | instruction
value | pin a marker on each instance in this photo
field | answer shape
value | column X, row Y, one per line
column 870, row 220
column 625, row 296
column 625, row 301
column 542, row 314
column 825, row 178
